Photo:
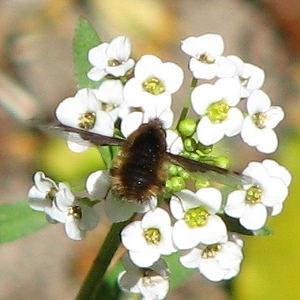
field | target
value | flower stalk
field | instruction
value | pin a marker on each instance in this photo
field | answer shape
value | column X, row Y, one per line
column 91, row 288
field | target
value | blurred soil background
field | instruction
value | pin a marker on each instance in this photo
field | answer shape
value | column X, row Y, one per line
column 36, row 72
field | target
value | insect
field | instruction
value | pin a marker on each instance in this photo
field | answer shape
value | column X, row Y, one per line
column 140, row 169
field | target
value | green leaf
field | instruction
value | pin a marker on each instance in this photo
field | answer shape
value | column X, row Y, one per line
column 18, row 220
column 85, row 38
column 107, row 155
column 263, row 231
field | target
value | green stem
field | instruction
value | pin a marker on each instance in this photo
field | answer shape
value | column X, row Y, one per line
column 91, row 288
column 187, row 103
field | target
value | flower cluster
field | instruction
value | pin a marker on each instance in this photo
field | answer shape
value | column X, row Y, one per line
column 190, row 214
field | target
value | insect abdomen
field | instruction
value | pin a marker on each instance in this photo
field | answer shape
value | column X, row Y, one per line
column 139, row 171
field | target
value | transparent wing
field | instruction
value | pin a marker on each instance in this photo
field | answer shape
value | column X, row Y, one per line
column 214, row 173
column 76, row 135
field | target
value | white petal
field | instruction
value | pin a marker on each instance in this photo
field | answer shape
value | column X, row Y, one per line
column 98, row 183
column 258, row 101
column 133, row 92
column 274, row 115
column 182, row 201
column 146, row 67
column 202, row 96
column 209, row 133
column 189, row 46
column 96, row 74
column 275, row 170
column 202, row 70
column 256, row 76
column 110, row 91
column 64, row 197
column 269, row 143
column 146, row 258
column 229, row 256
column 79, row 146
column 213, row 232
column 210, row 269
column 172, row 77
column 230, row 90
column 254, row 217
column 226, row 68
column 156, row 287
column 174, row 142
column 157, row 218
column 131, row 123
column 97, row 56
column 184, row 237
column 250, row 134
column 119, row 48
column 211, row 198
column 235, row 204
column 192, row 258
column 73, row 230
column 233, row 124
column 133, row 237
column 274, row 191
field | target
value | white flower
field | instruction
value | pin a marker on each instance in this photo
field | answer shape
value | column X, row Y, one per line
column 78, row 217
column 258, row 127
column 197, row 219
column 216, row 262
column 135, row 119
column 149, row 238
column 152, row 283
column 250, row 76
column 60, row 205
column 253, row 204
column 153, row 84
column 110, row 95
column 215, row 104
column 207, row 60
column 42, row 194
column 110, row 58
column 83, row 111
column 117, row 210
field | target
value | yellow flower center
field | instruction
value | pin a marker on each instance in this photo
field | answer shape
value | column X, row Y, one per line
column 152, row 236
column 218, row 111
column 253, row 195
column 259, row 120
column 112, row 62
column 211, row 251
column 153, row 86
column 76, row 212
column 196, row 217
column 87, row 121
column 51, row 194
column 206, row 58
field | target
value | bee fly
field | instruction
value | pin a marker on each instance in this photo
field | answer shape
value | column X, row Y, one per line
column 140, row 169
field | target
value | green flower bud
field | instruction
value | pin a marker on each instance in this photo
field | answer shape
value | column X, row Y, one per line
column 190, row 145
column 184, row 174
column 175, row 184
column 187, row 127
column 194, row 156
column 201, row 183
column 222, row 162
column 172, row 170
